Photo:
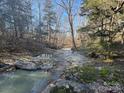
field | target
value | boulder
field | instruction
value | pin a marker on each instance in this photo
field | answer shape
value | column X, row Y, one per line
column 3, row 65
column 25, row 65
column 6, row 67
column 31, row 66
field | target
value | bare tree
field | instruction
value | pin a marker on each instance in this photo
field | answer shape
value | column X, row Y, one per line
column 68, row 6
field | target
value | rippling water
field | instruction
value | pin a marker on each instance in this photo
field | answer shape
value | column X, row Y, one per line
column 23, row 82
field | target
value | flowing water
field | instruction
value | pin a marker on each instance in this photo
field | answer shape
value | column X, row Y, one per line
column 21, row 81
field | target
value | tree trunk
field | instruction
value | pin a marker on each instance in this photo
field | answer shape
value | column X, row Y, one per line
column 72, row 31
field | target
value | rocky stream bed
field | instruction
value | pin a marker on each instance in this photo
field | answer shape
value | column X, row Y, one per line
column 39, row 74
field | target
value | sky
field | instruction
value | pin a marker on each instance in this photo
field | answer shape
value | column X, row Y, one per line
column 77, row 22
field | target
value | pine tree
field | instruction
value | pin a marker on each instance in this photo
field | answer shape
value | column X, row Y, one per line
column 49, row 17
column 16, row 15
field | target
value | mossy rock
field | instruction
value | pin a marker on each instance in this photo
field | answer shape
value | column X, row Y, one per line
column 63, row 89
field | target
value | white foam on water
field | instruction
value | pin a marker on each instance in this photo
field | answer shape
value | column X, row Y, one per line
column 66, row 49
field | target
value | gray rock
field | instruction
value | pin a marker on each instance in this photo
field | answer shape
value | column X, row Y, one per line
column 25, row 65
column 6, row 67
column 31, row 65
column 45, row 67
column 106, row 88
column 90, row 88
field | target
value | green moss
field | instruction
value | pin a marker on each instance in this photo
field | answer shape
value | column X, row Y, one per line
column 104, row 72
column 88, row 74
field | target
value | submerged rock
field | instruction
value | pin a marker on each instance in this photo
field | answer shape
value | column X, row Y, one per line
column 45, row 67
